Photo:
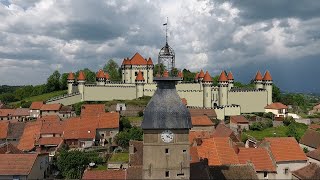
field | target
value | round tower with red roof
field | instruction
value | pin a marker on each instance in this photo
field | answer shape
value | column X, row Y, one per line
column 258, row 81
column 223, row 83
column 230, row 81
column 139, row 84
column 71, row 81
column 267, row 85
column 207, row 83
column 150, row 70
column 100, row 78
column 81, row 82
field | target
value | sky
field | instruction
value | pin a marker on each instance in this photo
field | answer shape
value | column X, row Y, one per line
column 282, row 36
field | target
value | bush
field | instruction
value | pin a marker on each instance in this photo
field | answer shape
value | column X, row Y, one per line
column 288, row 120
column 140, row 113
column 268, row 115
column 124, row 124
column 123, row 138
column 305, row 150
column 292, row 131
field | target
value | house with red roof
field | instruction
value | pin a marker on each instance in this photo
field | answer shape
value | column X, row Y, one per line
column 104, row 174
column 287, row 155
column 202, row 123
column 279, row 110
column 239, row 123
column 50, row 109
column 24, row 166
column 35, row 108
column 314, row 156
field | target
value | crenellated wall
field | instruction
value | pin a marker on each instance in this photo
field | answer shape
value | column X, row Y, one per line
column 66, row 100
column 109, row 92
column 249, row 100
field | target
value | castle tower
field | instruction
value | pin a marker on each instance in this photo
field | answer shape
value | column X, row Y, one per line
column 196, row 78
column 124, row 74
column 70, row 80
column 166, row 124
column 150, row 70
column 100, row 78
column 230, row 80
column 267, row 85
column 139, row 85
column 107, row 78
column 223, row 89
column 201, row 76
column 81, row 81
column 127, row 70
column 207, row 83
column 258, row 81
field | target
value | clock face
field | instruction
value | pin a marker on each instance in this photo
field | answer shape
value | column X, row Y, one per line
column 167, row 136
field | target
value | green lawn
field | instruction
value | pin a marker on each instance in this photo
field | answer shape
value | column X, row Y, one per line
column 42, row 97
column 143, row 101
column 120, row 157
column 134, row 118
column 279, row 131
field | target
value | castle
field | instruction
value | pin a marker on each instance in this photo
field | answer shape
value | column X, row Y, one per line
column 137, row 81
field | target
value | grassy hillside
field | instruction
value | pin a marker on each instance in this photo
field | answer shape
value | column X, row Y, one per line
column 42, row 97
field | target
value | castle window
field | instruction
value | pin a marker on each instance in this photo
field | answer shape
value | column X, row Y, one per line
column 286, row 170
column 167, row 174
column 167, row 151
column 184, row 151
column 180, row 174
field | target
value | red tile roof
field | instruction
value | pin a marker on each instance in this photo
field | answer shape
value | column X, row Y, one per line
column 100, row 74
column 6, row 112
column 21, row 112
column 51, row 107
column 81, row 76
column 30, row 135
column 6, row 148
column 194, row 155
column 108, row 120
column 285, row 149
column 201, row 74
column 104, row 174
column 50, row 141
column 92, row 109
column 207, row 77
column 139, row 76
column 199, row 134
column 52, row 127
column 223, row 77
column 16, row 164
column 137, row 59
column 49, row 118
column 4, row 129
column 259, row 157
column 218, row 151
column 239, row 119
column 70, row 76
column 36, row 105
column 201, row 121
column 276, row 105
column 267, row 76
column 314, row 126
column 149, row 62
column 201, row 111
column 258, row 76
column 223, row 131
column 230, row 76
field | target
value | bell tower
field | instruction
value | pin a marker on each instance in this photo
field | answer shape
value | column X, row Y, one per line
column 166, row 124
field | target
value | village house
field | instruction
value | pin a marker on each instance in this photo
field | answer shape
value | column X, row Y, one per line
column 310, row 140
column 223, row 131
column 314, row 156
column 104, row 174
column 286, row 153
column 50, row 109
column 6, row 114
column 23, row 166
column 66, row 112
column 238, row 123
column 311, row 171
column 8, row 148
column 30, row 136
column 315, row 109
column 279, row 110
column 35, row 109
column 21, row 114
column 202, row 123
column 261, row 160
column 11, row 132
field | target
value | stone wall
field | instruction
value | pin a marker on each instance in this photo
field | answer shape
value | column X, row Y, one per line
column 250, row 101
column 110, row 92
column 131, row 110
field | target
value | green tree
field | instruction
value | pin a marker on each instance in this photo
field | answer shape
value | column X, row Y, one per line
column 64, row 81
column 123, row 138
column 112, row 68
column 124, row 124
column 292, row 131
column 276, row 93
column 188, row 75
column 53, row 82
column 156, row 69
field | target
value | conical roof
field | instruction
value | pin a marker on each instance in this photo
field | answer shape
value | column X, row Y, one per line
column 100, row 74
column 230, row 76
column 81, row 76
column 139, row 76
column 223, row 77
column 70, row 76
column 267, row 76
column 149, row 62
column 258, row 76
column 197, row 76
column 107, row 76
column 165, row 110
column 207, row 77
column 201, row 74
